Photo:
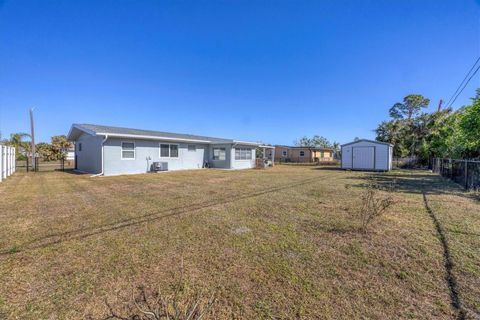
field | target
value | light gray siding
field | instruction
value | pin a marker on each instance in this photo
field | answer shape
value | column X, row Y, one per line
column 243, row 164
column 382, row 155
column 223, row 164
column 89, row 158
column 147, row 152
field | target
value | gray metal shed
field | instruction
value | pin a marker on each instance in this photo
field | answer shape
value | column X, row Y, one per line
column 366, row 154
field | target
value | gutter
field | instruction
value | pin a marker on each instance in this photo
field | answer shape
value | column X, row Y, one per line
column 101, row 173
column 136, row 136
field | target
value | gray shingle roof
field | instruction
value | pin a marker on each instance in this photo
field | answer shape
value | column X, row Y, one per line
column 100, row 129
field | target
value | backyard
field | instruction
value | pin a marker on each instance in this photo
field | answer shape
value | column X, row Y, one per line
column 270, row 244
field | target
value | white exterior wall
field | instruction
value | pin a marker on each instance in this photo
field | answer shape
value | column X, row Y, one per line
column 243, row 164
column 147, row 152
column 89, row 159
column 382, row 160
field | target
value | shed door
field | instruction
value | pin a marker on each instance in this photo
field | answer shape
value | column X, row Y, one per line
column 363, row 157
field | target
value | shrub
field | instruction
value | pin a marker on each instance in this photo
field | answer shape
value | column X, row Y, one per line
column 373, row 206
column 182, row 303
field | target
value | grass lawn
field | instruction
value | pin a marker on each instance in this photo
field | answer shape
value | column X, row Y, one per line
column 278, row 243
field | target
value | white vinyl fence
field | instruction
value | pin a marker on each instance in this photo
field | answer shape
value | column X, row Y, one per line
column 7, row 161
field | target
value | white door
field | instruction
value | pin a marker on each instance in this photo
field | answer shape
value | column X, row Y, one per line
column 363, row 157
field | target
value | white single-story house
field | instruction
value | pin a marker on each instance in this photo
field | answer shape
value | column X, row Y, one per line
column 106, row 150
column 366, row 154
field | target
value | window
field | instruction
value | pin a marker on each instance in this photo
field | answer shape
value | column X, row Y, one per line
column 168, row 150
column 219, row 154
column 192, row 147
column 284, row 153
column 302, row 153
column 128, row 150
column 174, row 151
column 243, row 154
column 164, row 150
column 80, row 147
column 322, row 154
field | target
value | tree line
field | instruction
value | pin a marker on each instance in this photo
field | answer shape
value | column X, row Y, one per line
column 55, row 150
column 316, row 142
column 443, row 133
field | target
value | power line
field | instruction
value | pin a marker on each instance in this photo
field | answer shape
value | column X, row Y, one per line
column 461, row 83
column 476, row 70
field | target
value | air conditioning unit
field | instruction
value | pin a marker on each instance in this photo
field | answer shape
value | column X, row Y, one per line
column 159, row 166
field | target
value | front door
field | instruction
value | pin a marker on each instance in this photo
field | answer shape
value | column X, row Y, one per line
column 364, row 158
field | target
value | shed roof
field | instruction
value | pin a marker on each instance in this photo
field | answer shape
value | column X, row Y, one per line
column 367, row 140
column 101, row 130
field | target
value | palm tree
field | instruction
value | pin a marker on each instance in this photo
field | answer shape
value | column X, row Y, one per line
column 16, row 140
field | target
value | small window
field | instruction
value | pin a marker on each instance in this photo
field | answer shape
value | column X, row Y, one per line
column 192, row 147
column 219, row 154
column 80, row 146
column 128, row 150
column 168, row 150
column 284, row 153
column 302, row 153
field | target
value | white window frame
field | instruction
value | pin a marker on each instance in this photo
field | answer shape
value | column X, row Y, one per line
column 284, row 153
column 220, row 148
column 169, row 150
column 134, row 150
column 302, row 153
column 244, row 150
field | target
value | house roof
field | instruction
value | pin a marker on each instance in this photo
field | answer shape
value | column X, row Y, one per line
column 100, row 130
column 367, row 140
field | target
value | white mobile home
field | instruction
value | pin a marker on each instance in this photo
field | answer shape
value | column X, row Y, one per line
column 105, row 150
column 367, row 155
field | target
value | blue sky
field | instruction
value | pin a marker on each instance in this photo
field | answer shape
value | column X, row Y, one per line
column 269, row 71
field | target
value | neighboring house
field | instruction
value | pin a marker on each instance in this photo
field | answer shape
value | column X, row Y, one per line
column 366, row 154
column 302, row 154
column 69, row 153
column 106, row 150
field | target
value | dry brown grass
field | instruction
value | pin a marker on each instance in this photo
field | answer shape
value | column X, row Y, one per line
column 277, row 243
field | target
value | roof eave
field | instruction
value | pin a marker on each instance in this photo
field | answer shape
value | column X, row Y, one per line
column 367, row 140
column 136, row 136
column 246, row 143
column 80, row 128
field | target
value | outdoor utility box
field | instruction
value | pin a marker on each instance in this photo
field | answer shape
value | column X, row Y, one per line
column 159, row 166
column 367, row 155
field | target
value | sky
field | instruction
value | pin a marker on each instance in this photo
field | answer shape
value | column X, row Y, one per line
column 270, row 71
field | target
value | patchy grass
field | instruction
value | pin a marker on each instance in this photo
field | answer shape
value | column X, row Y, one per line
column 276, row 243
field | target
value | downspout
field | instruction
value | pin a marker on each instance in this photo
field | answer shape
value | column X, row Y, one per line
column 101, row 173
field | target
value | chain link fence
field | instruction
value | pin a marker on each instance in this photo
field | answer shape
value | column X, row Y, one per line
column 464, row 172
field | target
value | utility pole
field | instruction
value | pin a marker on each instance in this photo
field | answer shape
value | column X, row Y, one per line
column 32, row 130
column 440, row 105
